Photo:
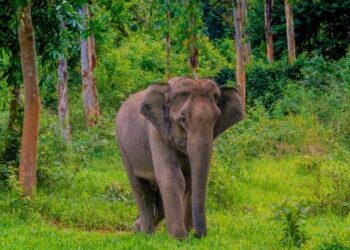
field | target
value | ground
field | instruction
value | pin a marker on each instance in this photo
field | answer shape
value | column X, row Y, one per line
column 96, row 210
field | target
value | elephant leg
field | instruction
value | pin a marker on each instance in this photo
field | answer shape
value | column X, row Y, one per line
column 159, row 208
column 188, row 207
column 172, row 191
column 171, row 183
column 144, row 196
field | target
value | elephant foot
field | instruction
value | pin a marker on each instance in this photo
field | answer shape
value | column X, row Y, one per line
column 189, row 226
column 142, row 225
column 200, row 233
column 178, row 233
column 136, row 227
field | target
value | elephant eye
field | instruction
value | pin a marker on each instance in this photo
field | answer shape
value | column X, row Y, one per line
column 184, row 95
column 216, row 97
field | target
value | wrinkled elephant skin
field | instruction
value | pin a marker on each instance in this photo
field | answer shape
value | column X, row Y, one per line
column 165, row 134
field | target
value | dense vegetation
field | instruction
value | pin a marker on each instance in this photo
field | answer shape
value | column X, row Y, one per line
column 280, row 178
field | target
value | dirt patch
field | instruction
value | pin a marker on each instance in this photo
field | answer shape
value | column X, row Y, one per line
column 123, row 230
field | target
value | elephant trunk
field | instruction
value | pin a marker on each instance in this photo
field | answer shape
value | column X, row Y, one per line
column 199, row 149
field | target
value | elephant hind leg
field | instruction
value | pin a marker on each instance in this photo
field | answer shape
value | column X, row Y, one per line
column 144, row 196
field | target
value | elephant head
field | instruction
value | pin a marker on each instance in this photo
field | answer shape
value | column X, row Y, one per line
column 189, row 114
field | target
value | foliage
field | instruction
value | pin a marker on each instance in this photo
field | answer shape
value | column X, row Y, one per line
column 265, row 82
column 319, row 25
column 260, row 135
column 292, row 216
column 334, row 244
column 140, row 61
column 293, row 144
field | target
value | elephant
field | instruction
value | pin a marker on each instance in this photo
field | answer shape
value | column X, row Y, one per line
column 165, row 135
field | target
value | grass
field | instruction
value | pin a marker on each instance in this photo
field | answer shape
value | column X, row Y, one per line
column 97, row 210
column 84, row 200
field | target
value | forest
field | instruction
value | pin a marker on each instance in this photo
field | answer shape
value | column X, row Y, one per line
column 279, row 179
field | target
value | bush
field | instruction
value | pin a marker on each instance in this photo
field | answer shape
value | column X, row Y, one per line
column 334, row 244
column 292, row 216
column 261, row 135
column 265, row 82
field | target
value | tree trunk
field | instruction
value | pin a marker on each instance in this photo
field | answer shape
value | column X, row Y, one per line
column 269, row 4
column 63, row 109
column 27, row 167
column 167, row 40
column 88, row 62
column 246, row 43
column 192, row 42
column 240, row 68
column 92, row 52
column 290, row 32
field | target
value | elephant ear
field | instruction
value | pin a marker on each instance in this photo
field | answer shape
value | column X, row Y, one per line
column 154, row 107
column 231, row 110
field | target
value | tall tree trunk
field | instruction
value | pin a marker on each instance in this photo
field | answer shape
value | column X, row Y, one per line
column 27, row 167
column 246, row 42
column 88, row 62
column 62, row 92
column 167, row 40
column 240, row 68
column 269, row 4
column 192, row 42
column 92, row 52
column 290, row 32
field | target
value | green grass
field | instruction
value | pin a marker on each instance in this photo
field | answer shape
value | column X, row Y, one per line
column 97, row 210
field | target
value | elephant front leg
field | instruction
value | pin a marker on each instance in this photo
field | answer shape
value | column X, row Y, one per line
column 171, row 183
column 188, row 207
column 172, row 187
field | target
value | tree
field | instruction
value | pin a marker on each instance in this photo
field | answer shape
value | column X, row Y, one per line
column 62, row 93
column 269, row 4
column 240, row 68
column 88, row 63
column 27, row 168
column 245, row 38
column 167, row 39
column 290, row 31
column 47, row 16
column 192, row 41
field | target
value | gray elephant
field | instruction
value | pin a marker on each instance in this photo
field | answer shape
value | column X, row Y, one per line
column 165, row 134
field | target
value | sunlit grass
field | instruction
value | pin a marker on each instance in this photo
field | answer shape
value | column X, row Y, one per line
column 86, row 216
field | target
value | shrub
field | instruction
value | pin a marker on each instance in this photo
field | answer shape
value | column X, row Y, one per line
column 265, row 82
column 261, row 135
column 292, row 216
column 334, row 244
